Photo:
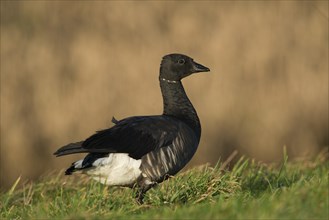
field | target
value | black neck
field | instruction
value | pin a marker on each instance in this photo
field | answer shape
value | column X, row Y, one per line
column 177, row 104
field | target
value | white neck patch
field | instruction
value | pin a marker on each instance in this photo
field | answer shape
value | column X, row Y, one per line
column 168, row 81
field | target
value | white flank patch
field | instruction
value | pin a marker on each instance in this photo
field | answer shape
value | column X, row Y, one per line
column 116, row 169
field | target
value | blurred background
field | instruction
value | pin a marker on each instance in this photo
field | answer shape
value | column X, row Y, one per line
column 67, row 67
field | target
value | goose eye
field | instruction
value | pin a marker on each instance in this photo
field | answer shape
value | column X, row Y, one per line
column 181, row 61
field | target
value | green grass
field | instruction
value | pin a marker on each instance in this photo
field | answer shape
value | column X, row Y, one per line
column 251, row 190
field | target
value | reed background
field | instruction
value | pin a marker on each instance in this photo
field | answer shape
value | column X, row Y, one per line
column 68, row 67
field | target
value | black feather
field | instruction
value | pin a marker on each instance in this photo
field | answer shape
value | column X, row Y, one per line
column 70, row 170
column 71, row 148
column 90, row 159
column 114, row 120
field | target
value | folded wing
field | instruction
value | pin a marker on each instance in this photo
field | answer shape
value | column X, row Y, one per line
column 136, row 136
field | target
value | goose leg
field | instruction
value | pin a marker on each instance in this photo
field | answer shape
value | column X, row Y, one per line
column 144, row 185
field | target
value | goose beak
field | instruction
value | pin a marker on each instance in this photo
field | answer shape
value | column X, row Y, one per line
column 199, row 68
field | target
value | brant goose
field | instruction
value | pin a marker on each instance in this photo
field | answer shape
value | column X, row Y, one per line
column 142, row 151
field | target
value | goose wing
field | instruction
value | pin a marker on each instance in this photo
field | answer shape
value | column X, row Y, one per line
column 136, row 136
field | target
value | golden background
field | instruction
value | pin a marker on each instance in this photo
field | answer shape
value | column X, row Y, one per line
column 68, row 67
